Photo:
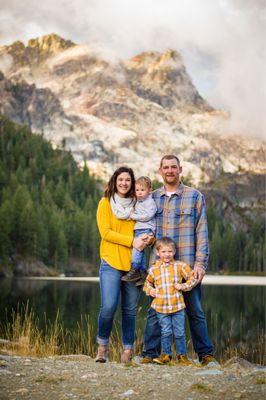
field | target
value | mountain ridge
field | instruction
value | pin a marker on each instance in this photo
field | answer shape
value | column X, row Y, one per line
column 112, row 111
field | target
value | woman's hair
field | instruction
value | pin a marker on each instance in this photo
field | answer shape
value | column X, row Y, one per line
column 110, row 189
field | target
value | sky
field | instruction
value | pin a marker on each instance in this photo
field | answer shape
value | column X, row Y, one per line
column 223, row 42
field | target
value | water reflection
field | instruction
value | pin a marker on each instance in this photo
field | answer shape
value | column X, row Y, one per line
column 234, row 314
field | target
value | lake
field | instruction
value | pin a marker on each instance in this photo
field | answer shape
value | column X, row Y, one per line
column 235, row 313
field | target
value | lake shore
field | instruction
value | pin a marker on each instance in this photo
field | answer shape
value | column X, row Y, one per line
column 79, row 377
column 208, row 279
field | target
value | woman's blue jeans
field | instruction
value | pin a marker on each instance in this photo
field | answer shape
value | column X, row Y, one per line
column 173, row 325
column 198, row 327
column 112, row 288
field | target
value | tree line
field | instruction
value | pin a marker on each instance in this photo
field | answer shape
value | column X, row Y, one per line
column 48, row 209
column 47, row 203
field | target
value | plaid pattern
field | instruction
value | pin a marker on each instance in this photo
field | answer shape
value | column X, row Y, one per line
column 163, row 277
column 182, row 217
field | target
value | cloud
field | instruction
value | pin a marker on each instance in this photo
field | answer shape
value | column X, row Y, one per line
column 222, row 41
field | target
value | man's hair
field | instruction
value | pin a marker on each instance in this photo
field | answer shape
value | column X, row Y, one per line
column 164, row 241
column 169, row 157
column 144, row 181
column 110, row 189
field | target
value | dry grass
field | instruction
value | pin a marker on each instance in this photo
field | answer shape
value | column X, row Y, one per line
column 24, row 337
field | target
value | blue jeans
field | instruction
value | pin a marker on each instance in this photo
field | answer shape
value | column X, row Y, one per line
column 138, row 260
column 111, row 287
column 197, row 323
column 172, row 324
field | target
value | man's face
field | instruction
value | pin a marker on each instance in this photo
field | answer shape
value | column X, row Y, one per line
column 170, row 171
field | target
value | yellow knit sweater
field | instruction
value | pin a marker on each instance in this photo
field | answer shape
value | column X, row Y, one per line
column 116, row 237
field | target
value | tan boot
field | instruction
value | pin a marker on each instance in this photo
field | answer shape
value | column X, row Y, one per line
column 182, row 359
column 126, row 356
column 163, row 359
column 102, row 354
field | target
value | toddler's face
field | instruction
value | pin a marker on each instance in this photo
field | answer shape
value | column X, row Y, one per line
column 141, row 191
column 166, row 253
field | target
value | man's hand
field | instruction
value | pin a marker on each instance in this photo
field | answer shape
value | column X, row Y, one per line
column 139, row 243
column 199, row 273
column 153, row 292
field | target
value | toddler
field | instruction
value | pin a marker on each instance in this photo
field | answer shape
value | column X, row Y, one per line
column 143, row 212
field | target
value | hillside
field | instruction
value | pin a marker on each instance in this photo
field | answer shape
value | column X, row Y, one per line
column 109, row 111
column 47, row 207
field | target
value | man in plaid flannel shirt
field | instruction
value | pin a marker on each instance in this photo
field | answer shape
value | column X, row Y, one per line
column 181, row 216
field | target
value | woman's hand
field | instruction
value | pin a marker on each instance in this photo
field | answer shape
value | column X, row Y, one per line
column 153, row 292
column 149, row 239
column 139, row 243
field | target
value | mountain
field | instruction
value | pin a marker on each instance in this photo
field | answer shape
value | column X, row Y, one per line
column 110, row 112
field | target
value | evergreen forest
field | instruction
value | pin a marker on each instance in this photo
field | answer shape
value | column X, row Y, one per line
column 48, row 206
column 47, row 203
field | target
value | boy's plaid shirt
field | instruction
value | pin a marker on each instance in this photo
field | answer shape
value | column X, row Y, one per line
column 163, row 277
column 182, row 217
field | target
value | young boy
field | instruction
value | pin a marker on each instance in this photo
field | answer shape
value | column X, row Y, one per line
column 143, row 212
column 164, row 283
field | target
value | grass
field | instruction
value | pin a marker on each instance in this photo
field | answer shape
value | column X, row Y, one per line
column 23, row 336
column 200, row 387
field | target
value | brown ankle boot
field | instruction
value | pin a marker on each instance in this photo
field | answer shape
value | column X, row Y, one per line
column 126, row 356
column 132, row 276
column 102, row 354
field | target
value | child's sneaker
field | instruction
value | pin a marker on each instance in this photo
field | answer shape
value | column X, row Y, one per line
column 182, row 359
column 141, row 281
column 132, row 276
column 163, row 359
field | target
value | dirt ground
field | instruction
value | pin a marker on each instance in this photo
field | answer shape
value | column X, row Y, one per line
column 79, row 377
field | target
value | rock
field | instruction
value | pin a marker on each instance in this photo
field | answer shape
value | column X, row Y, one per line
column 239, row 361
column 209, row 372
column 4, row 372
column 22, row 391
column 128, row 393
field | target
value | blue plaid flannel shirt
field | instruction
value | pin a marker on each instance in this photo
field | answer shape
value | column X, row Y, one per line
column 182, row 217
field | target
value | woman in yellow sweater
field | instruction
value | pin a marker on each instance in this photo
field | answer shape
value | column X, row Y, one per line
column 116, row 245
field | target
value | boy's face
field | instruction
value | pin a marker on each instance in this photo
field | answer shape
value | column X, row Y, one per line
column 141, row 191
column 166, row 253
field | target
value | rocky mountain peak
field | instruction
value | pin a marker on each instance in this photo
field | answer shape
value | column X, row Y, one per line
column 36, row 51
column 51, row 43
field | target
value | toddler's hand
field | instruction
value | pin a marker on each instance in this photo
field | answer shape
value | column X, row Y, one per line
column 178, row 286
column 153, row 292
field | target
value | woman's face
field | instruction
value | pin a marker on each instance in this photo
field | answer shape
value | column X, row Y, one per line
column 123, row 184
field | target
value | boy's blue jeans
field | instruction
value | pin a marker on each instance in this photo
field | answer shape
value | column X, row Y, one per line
column 111, row 288
column 138, row 260
column 197, row 322
column 172, row 325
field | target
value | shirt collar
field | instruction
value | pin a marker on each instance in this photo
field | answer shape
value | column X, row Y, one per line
column 178, row 191
column 162, row 264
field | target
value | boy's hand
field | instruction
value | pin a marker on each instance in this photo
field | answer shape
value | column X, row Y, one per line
column 153, row 292
column 178, row 286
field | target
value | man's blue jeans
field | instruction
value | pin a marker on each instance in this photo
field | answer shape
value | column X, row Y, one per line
column 138, row 260
column 197, row 323
column 111, row 288
column 172, row 325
